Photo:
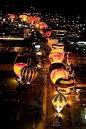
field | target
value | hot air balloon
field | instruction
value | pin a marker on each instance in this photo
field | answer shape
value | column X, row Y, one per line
column 33, row 19
column 43, row 25
column 51, row 41
column 23, row 17
column 28, row 74
column 58, row 45
column 56, row 56
column 58, row 73
column 65, row 86
column 12, row 17
column 47, row 33
column 17, row 68
column 59, row 101
column 37, row 19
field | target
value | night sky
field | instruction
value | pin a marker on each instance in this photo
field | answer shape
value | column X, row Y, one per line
column 51, row 6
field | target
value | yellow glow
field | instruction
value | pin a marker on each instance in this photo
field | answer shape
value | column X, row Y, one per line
column 56, row 74
column 60, row 115
column 51, row 41
column 17, row 68
column 57, row 104
column 23, row 17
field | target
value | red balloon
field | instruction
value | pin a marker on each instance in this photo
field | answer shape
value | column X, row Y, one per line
column 48, row 34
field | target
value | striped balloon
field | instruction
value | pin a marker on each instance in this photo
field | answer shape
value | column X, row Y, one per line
column 57, row 45
column 28, row 74
column 59, row 101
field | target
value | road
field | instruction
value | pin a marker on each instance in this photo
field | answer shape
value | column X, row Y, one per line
column 69, row 114
column 72, row 116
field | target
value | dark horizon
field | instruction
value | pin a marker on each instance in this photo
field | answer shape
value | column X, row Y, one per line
column 44, row 8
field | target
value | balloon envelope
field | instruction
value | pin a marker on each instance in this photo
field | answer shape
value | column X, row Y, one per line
column 17, row 68
column 28, row 74
column 58, row 73
column 12, row 16
column 47, row 33
column 51, row 41
column 43, row 25
column 59, row 101
column 56, row 57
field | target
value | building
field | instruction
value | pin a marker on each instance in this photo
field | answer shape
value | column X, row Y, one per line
column 77, row 59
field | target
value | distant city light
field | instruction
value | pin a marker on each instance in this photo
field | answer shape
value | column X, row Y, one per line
column 81, row 42
column 11, row 38
column 39, row 53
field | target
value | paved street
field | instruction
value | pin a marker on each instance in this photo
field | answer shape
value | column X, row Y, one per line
column 69, row 115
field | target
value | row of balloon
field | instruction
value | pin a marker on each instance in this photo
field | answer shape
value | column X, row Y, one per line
column 25, row 73
column 36, row 22
column 59, row 75
column 43, row 29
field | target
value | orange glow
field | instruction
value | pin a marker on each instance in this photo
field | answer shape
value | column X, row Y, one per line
column 36, row 25
column 56, row 51
column 43, row 25
column 56, row 56
column 23, row 17
column 51, row 41
column 34, row 19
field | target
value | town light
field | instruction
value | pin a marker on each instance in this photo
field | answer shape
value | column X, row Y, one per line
column 39, row 53
column 37, row 46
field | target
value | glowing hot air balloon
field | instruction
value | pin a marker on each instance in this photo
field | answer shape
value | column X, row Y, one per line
column 58, row 45
column 56, row 56
column 28, row 74
column 58, row 73
column 17, row 68
column 59, row 101
column 23, row 17
column 51, row 41
column 47, row 33
column 12, row 17
column 43, row 25
column 65, row 86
